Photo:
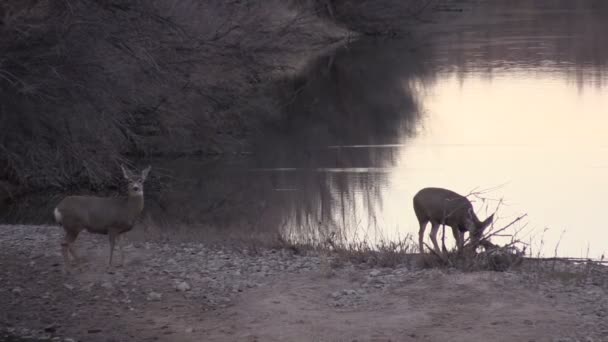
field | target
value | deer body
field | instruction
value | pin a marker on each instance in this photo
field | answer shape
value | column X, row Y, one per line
column 442, row 206
column 111, row 216
column 98, row 214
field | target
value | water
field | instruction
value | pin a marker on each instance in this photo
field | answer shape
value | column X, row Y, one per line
column 511, row 96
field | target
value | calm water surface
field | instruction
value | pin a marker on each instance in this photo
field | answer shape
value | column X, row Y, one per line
column 512, row 97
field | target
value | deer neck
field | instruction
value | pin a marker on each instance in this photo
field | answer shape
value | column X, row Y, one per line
column 135, row 204
column 476, row 220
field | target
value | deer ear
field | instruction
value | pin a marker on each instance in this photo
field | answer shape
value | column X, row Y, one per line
column 125, row 172
column 489, row 220
column 144, row 173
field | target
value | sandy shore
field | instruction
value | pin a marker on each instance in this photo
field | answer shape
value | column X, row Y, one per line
column 193, row 292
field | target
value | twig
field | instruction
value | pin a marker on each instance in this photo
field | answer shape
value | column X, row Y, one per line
column 442, row 257
column 506, row 227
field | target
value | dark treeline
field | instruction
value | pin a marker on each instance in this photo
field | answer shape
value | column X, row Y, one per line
column 88, row 84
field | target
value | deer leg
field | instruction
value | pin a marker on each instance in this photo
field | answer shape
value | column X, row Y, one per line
column 459, row 237
column 120, row 242
column 434, row 230
column 112, row 238
column 71, row 248
column 461, row 240
column 73, row 253
column 443, row 249
column 421, row 236
column 66, row 246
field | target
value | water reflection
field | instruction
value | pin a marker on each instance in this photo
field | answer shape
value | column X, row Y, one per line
column 517, row 98
column 304, row 172
column 559, row 38
column 539, row 137
column 513, row 93
column 342, row 134
column 520, row 99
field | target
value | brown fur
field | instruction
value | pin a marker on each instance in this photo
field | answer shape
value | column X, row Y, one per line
column 442, row 206
column 112, row 216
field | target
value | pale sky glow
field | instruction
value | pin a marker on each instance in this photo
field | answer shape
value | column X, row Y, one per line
column 542, row 137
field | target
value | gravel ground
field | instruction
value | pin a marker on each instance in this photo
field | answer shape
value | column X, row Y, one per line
column 194, row 292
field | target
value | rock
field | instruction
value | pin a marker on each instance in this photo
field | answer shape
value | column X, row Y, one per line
column 401, row 271
column 183, row 287
column 349, row 292
column 68, row 286
column 51, row 328
column 189, row 330
column 17, row 291
column 374, row 273
column 336, row 295
column 154, row 296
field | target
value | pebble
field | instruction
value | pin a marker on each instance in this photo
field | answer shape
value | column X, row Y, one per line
column 374, row 273
column 216, row 279
column 154, row 296
column 183, row 286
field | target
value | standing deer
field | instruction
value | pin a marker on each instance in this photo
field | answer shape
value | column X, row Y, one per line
column 445, row 207
column 101, row 215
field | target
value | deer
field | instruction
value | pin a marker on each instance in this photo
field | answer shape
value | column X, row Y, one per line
column 445, row 207
column 112, row 216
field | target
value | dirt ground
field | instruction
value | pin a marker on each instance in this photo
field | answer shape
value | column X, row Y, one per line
column 192, row 292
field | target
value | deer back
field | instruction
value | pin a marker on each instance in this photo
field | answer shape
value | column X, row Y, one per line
column 444, row 207
column 98, row 214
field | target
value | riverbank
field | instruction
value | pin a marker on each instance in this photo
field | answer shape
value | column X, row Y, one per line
column 195, row 292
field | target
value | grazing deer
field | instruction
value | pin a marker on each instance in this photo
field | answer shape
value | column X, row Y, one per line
column 441, row 206
column 101, row 215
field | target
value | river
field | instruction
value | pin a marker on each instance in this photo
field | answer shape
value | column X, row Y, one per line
column 509, row 99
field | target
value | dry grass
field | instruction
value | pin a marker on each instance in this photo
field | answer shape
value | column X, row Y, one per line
column 495, row 258
column 383, row 254
column 567, row 271
column 336, row 249
column 404, row 252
